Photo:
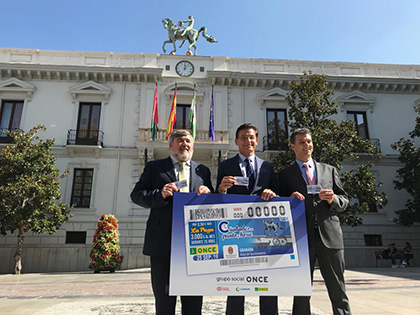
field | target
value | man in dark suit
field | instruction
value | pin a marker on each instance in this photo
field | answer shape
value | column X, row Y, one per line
column 155, row 190
column 262, row 181
column 325, row 237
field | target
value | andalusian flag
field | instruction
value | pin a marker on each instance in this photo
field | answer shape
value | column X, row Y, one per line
column 155, row 115
column 172, row 117
column 211, row 124
column 193, row 116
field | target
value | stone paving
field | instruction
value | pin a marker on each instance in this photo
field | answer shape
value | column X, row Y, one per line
column 372, row 291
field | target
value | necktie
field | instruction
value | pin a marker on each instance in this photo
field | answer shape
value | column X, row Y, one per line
column 249, row 174
column 181, row 176
column 309, row 175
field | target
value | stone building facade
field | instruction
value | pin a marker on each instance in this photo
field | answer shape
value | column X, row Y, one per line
column 98, row 108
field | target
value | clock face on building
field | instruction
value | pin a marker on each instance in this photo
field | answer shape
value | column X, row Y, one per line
column 184, row 68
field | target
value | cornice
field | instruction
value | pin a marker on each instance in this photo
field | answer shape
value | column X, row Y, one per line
column 79, row 73
column 94, row 152
column 32, row 64
column 345, row 84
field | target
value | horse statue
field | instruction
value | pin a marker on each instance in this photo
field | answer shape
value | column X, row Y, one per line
column 189, row 34
column 270, row 225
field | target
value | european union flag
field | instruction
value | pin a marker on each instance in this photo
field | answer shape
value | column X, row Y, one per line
column 211, row 125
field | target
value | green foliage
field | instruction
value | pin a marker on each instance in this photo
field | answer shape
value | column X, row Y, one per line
column 105, row 253
column 311, row 106
column 408, row 175
column 29, row 186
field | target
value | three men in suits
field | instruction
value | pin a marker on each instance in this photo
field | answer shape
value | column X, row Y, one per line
column 325, row 237
column 261, row 181
column 155, row 190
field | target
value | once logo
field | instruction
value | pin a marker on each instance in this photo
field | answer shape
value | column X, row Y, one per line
column 257, row 279
column 203, row 250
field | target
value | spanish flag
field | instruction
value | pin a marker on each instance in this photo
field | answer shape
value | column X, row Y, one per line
column 172, row 117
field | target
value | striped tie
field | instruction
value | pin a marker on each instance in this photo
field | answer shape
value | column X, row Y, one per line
column 250, row 175
column 181, row 176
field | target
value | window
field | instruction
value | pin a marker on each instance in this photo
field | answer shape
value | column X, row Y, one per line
column 88, row 124
column 359, row 118
column 82, row 187
column 75, row 237
column 373, row 208
column 10, row 115
column 182, row 117
column 373, row 240
column 277, row 129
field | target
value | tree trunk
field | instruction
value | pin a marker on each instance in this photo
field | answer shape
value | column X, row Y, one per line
column 18, row 253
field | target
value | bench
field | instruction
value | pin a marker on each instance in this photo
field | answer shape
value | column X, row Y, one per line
column 378, row 256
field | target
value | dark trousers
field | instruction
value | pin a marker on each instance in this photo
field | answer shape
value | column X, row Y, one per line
column 331, row 265
column 235, row 305
column 165, row 304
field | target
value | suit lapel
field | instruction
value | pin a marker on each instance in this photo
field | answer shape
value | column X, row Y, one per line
column 301, row 181
column 318, row 170
column 168, row 167
column 235, row 167
column 258, row 181
column 259, row 162
column 194, row 178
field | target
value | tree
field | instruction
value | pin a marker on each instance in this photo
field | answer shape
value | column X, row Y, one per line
column 105, row 254
column 408, row 175
column 311, row 106
column 30, row 189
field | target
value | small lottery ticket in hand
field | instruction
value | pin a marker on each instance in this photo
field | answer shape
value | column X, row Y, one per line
column 242, row 181
column 314, row 189
column 181, row 184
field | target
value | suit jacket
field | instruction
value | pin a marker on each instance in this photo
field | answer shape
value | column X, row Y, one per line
column 147, row 193
column 291, row 180
column 266, row 176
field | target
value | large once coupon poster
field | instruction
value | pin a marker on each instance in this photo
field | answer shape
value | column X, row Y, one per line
column 238, row 245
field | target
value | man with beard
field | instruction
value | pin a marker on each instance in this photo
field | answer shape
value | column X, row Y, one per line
column 261, row 181
column 155, row 190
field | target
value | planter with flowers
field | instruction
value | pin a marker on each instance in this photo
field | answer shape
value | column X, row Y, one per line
column 105, row 254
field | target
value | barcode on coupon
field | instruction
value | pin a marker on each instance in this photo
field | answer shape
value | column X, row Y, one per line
column 208, row 214
column 243, row 261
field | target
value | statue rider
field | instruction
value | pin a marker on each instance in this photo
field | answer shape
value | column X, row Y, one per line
column 190, row 25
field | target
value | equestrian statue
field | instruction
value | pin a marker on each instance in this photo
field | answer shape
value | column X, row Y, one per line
column 188, row 33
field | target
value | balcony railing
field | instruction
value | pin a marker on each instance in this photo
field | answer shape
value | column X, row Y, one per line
column 202, row 135
column 5, row 136
column 273, row 144
column 376, row 143
column 85, row 137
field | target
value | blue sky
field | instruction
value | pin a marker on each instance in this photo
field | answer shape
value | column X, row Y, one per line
column 372, row 31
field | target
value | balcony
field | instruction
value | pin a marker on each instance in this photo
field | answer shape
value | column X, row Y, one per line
column 202, row 136
column 204, row 147
column 376, row 143
column 5, row 135
column 273, row 144
column 85, row 137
